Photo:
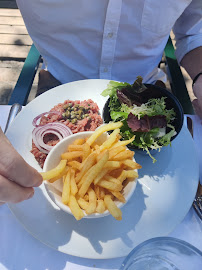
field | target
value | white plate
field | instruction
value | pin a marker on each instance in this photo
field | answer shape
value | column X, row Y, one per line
column 163, row 196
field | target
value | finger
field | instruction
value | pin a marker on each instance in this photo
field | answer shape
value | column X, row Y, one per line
column 3, row 137
column 23, row 174
column 14, row 167
column 12, row 192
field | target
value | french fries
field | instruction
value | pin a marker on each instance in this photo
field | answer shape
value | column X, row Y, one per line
column 66, row 188
column 74, row 188
column 75, row 208
column 92, row 202
column 72, row 155
column 57, row 171
column 113, row 209
column 112, row 138
column 95, row 174
column 100, row 206
column 103, row 129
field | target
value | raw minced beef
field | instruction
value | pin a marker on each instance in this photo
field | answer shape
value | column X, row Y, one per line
column 90, row 121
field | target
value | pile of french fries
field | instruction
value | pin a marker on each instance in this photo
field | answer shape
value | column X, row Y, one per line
column 95, row 174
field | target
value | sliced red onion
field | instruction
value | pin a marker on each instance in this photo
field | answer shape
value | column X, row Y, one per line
column 55, row 133
column 34, row 122
column 56, row 128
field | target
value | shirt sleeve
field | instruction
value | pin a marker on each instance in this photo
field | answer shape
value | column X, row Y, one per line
column 188, row 29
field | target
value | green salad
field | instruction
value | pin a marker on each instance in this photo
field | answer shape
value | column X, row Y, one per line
column 149, row 121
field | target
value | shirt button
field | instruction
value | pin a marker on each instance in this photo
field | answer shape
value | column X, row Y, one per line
column 110, row 35
column 105, row 69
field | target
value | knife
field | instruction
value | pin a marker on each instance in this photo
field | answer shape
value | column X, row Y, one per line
column 15, row 109
column 197, row 203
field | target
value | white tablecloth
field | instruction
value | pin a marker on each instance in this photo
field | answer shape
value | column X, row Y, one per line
column 20, row 251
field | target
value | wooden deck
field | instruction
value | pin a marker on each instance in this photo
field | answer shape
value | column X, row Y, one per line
column 15, row 43
column 14, row 39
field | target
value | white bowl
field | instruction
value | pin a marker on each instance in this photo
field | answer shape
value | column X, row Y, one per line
column 54, row 190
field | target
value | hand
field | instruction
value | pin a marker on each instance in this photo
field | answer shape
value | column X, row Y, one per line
column 197, row 103
column 17, row 178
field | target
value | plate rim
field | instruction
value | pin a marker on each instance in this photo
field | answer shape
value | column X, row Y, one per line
column 11, row 207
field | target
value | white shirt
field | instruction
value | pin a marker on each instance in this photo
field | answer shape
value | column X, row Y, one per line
column 110, row 39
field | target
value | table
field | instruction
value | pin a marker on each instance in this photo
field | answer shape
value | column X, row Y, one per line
column 20, row 251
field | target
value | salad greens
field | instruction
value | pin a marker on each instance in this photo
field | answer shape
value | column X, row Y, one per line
column 156, row 137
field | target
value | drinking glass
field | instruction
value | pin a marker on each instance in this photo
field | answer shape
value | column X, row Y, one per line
column 163, row 253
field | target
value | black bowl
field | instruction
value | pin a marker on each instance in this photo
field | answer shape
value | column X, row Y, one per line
column 154, row 91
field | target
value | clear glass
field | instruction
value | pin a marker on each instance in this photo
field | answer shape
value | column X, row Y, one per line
column 163, row 253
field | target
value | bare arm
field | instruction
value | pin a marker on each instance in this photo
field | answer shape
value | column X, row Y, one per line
column 192, row 62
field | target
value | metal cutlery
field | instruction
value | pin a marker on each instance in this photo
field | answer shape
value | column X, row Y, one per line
column 197, row 203
column 15, row 109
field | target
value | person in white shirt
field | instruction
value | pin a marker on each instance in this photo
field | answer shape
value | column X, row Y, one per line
column 111, row 39
column 114, row 39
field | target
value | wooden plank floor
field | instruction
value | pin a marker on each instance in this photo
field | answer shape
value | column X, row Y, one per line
column 14, row 39
column 15, row 44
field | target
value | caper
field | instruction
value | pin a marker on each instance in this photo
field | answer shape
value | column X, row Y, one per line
column 67, row 114
column 83, row 109
column 86, row 115
column 76, row 105
column 65, row 106
column 64, row 114
column 80, row 111
column 74, row 121
column 70, row 104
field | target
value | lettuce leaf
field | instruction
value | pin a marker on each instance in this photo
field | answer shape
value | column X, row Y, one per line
column 112, row 87
column 157, row 106
column 117, row 116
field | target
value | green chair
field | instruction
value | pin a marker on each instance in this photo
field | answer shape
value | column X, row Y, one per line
column 177, row 82
column 23, row 86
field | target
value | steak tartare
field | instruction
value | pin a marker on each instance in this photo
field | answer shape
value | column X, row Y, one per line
column 77, row 115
